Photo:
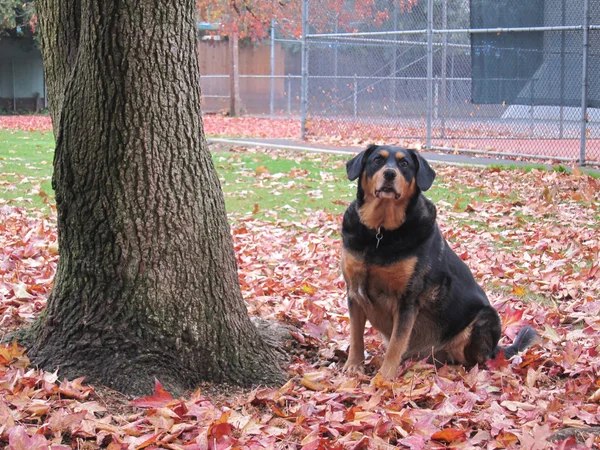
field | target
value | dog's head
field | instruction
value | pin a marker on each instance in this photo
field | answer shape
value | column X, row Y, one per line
column 389, row 172
column 390, row 177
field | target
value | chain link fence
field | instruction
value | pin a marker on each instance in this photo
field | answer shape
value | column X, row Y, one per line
column 491, row 77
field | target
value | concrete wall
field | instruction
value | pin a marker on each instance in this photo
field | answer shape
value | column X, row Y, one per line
column 21, row 75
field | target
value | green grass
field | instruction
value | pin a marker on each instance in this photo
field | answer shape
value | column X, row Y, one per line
column 26, row 169
column 273, row 186
column 526, row 169
column 281, row 187
column 269, row 185
column 494, row 288
column 286, row 187
column 560, row 168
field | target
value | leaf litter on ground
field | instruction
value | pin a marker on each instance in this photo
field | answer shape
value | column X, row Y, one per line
column 532, row 241
column 214, row 125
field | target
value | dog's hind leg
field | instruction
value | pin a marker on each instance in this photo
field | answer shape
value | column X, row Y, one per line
column 484, row 337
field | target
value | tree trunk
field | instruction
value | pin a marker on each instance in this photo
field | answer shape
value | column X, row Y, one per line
column 146, row 284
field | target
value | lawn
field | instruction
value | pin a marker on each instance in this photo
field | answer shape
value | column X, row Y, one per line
column 26, row 169
column 264, row 184
column 530, row 237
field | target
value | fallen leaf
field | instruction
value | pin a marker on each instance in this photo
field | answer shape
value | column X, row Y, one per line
column 449, row 435
column 159, row 399
column 595, row 397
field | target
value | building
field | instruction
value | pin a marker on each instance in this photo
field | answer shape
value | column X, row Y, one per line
column 22, row 86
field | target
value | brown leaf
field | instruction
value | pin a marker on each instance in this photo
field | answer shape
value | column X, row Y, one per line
column 449, row 435
column 314, row 381
column 595, row 397
column 75, row 389
column 62, row 420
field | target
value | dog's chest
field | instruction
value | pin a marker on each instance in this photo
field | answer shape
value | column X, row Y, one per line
column 376, row 286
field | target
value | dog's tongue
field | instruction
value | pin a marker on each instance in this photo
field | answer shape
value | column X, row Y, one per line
column 386, row 193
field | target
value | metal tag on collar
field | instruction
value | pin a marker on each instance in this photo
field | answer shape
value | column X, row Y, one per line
column 378, row 236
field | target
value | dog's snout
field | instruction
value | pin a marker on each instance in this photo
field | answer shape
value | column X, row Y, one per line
column 389, row 174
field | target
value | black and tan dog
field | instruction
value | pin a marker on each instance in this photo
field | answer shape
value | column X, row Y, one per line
column 403, row 277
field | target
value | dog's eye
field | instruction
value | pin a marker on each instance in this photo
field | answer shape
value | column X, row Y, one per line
column 378, row 159
column 403, row 163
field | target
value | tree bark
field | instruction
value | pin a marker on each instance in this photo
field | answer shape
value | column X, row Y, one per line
column 146, row 284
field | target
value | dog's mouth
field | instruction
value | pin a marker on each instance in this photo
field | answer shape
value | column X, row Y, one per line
column 387, row 191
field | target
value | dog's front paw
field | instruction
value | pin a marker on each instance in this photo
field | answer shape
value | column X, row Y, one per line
column 388, row 371
column 354, row 368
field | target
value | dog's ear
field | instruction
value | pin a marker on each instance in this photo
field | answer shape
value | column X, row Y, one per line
column 425, row 174
column 355, row 166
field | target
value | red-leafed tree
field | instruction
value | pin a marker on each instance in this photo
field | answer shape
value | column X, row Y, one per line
column 252, row 18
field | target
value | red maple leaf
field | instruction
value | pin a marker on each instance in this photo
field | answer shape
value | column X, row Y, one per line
column 498, row 362
column 159, row 399
column 449, row 435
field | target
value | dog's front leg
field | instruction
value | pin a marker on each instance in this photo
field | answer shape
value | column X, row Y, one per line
column 356, row 352
column 404, row 320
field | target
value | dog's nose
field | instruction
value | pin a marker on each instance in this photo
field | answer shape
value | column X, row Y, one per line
column 389, row 174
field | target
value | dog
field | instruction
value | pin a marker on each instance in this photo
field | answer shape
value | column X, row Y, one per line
column 402, row 276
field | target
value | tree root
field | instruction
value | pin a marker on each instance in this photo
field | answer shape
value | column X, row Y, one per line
column 580, row 434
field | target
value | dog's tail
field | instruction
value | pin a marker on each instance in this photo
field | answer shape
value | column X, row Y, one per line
column 525, row 338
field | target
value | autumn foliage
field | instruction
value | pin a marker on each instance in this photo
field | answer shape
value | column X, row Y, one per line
column 252, row 18
column 216, row 125
column 531, row 239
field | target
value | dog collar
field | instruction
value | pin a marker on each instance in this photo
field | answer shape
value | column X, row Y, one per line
column 378, row 236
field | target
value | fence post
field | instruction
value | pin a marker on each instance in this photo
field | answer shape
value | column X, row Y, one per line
column 335, row 68
column 444, row 74
column 452, row 80
column 355, row 96
column 532, row 108
column 289, row 95
column 430, row 70
column 562, row 73
column 394, row 59
column 304, row 94
column 234, row 75
column 584, row 80
column 14, row 92
column 436, row 99
column 272, row 86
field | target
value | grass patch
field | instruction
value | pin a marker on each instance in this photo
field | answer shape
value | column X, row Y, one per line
column 560, row 168
column 272, row 185
column 525, row 169
column 495, row 289
column 26, row 168
column 278, row 185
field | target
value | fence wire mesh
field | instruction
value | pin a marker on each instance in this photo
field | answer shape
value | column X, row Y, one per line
column 516, row 93
column 423, row 72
